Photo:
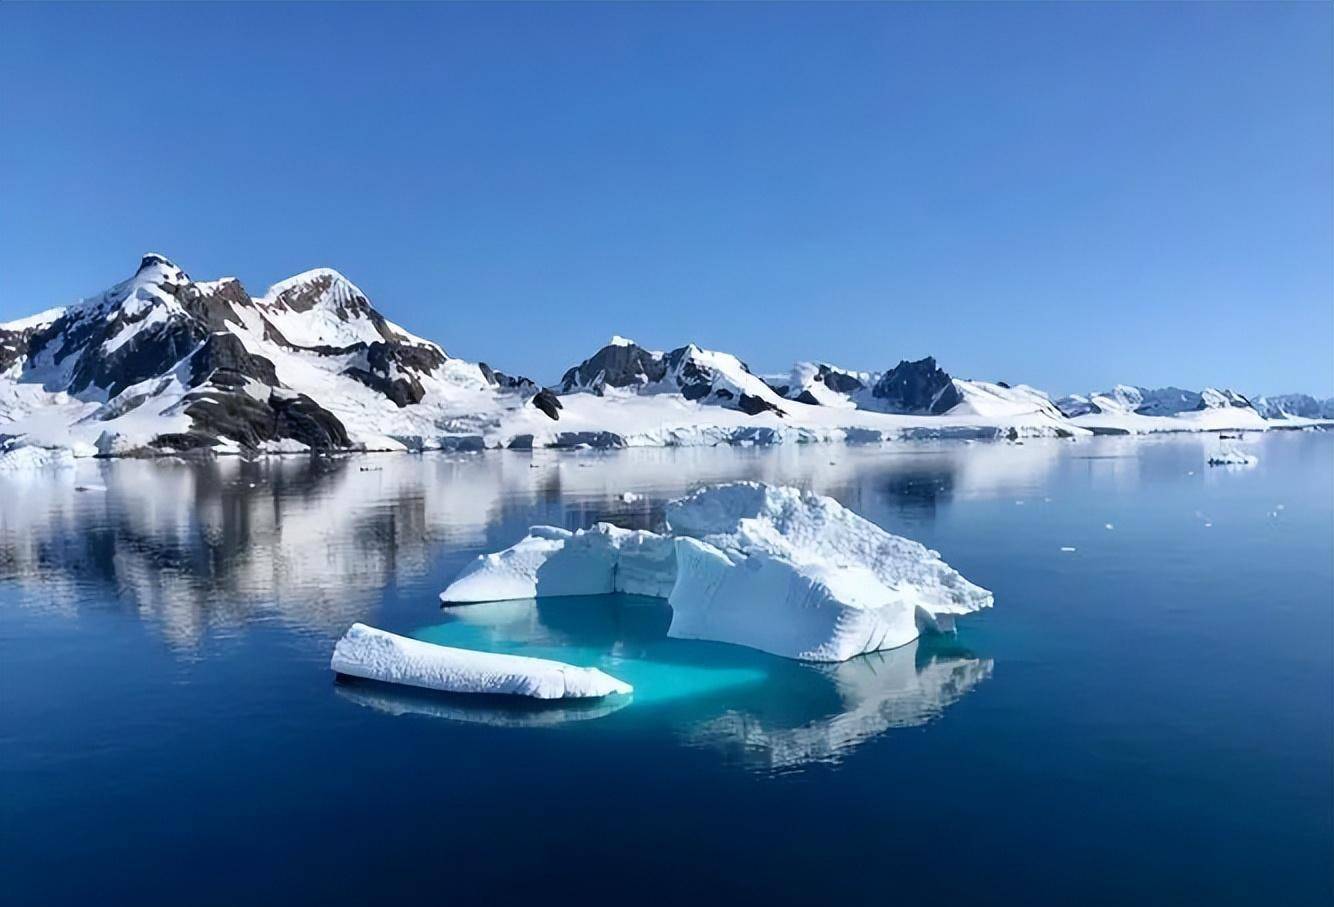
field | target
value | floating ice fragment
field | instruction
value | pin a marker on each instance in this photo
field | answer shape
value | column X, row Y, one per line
column 1230, row 456
column 1067, row 548
column 377, row 655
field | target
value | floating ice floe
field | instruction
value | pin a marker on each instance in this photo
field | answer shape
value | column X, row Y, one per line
column 19, row 459
column 777, row 569
column 377, row 655
column 1230, row 456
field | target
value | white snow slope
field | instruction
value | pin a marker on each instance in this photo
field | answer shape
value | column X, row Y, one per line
column 773, row 568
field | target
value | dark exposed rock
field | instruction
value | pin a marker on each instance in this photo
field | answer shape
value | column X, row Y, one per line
column 508, row 382
column 14, row 345
column 696, row 390
column 837, row 380
column 151, row 352
column 723, row 393
column 520, row 442
column 615, row 365
column 223, row 358
column 302, row 419
column 807, row 397
column 916, row 387
column 391, row 366
column 215, row 305
column 753, row 406
column 183, row 441
column 548, row 402
column 602, row 440
column 402, row 391
column 220, row 413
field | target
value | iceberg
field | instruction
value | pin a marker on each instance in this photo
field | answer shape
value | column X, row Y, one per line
column 778, row 569
column 1230, row 456
column 374, row 654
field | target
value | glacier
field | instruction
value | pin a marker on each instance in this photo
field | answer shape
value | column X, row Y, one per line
column 774, row 568
column 29, row 457
column 375, row 654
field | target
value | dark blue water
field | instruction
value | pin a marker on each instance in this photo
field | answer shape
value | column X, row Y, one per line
column 1147, row 719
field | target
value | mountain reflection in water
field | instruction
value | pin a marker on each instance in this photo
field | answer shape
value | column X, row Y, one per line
column 314, row 543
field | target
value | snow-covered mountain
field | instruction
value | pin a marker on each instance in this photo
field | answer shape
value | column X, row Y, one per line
column 911, row 388
column 1144, row 401
column 161, row 362
column 1289, row 406
column 1142, row 409
column 693, row 373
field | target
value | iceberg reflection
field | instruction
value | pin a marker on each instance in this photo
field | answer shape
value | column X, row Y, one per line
column 497, row 711
column 873, row 694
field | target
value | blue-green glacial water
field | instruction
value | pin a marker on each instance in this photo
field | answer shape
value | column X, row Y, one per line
column 1147, row 718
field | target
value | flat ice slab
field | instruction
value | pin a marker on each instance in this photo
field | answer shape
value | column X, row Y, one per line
column 777, row 569
column 377, row 655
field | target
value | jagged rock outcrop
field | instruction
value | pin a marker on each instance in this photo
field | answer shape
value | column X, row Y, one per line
column 916, row 387
column 696, row 374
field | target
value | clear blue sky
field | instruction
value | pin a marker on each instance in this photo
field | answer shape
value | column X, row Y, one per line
column 1068, row 195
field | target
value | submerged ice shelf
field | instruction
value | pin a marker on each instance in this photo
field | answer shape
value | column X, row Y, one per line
column 774, row 568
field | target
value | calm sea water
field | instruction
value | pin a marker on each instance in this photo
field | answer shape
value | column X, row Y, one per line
column 1148, row 718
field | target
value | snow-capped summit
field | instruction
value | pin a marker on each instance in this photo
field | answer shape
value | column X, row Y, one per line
column 160, row 269
column 321, row 307
column 166, row 362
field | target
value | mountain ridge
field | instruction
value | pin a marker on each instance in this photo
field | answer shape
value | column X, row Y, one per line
column 162, row 363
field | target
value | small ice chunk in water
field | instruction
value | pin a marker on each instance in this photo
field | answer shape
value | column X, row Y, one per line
column 1067, row 548
column 378, row 655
